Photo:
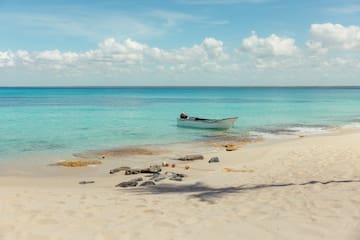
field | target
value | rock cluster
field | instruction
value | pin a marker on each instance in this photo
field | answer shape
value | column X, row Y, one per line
column 175, row 176
column 151, row 169
column 155, row 176
column 131, row 183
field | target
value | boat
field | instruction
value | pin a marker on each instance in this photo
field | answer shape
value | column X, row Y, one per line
column 195, row 122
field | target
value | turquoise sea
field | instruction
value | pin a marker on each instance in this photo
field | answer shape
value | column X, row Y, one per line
column 50, row 121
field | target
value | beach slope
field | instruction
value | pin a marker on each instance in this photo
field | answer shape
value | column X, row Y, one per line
column 304, row 188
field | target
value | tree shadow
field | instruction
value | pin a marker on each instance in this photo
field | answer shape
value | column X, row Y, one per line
column 209, row 194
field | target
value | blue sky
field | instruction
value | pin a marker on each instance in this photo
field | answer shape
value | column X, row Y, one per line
column 179, row 42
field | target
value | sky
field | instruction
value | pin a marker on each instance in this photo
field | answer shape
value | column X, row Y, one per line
column 179, row 42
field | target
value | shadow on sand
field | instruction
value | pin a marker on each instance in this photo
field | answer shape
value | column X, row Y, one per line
column 209, row 194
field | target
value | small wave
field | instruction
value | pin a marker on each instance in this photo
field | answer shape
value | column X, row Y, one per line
column 311, row 130
column 272, row 133
column 269, row 135
column 352, row 125
column 292, row 131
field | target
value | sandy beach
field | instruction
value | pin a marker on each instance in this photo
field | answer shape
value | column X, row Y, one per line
column 302, row 188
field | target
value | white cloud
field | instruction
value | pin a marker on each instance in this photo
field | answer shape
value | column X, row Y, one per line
column 341, row 62
column 111, row 52
column 133, row 61
column 57, row 56
column 316, row 48
column 54, row 55
column 214, row 48
column 134, row 45
column 336, row 36
column 110, row 45
column 126, row 56
column 7, row 59
column 208, row 52
column 271, row 46
column 24, row 56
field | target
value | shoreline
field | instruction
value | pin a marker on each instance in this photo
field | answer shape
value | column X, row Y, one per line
column 302, row 188
column 132, row 155
column 40, row 163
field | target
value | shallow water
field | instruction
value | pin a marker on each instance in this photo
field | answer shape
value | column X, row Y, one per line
column 63, row 121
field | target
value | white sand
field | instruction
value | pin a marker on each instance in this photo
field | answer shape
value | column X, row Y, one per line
column 210, row 203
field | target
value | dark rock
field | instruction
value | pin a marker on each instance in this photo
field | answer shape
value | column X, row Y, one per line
column 86, row 182
column 214, row 160
column 191, row 157
column 115, row 170
column 173, row 174
column 147, row 183
column 176, row 178
column 151, row 169
column 127, row 184
column 132, row 171
column 158, row 177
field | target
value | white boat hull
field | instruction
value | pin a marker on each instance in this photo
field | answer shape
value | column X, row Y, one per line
column 225, row 123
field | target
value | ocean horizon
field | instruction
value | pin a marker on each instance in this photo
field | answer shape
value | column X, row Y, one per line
column 184, row 86
column 61, row 121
